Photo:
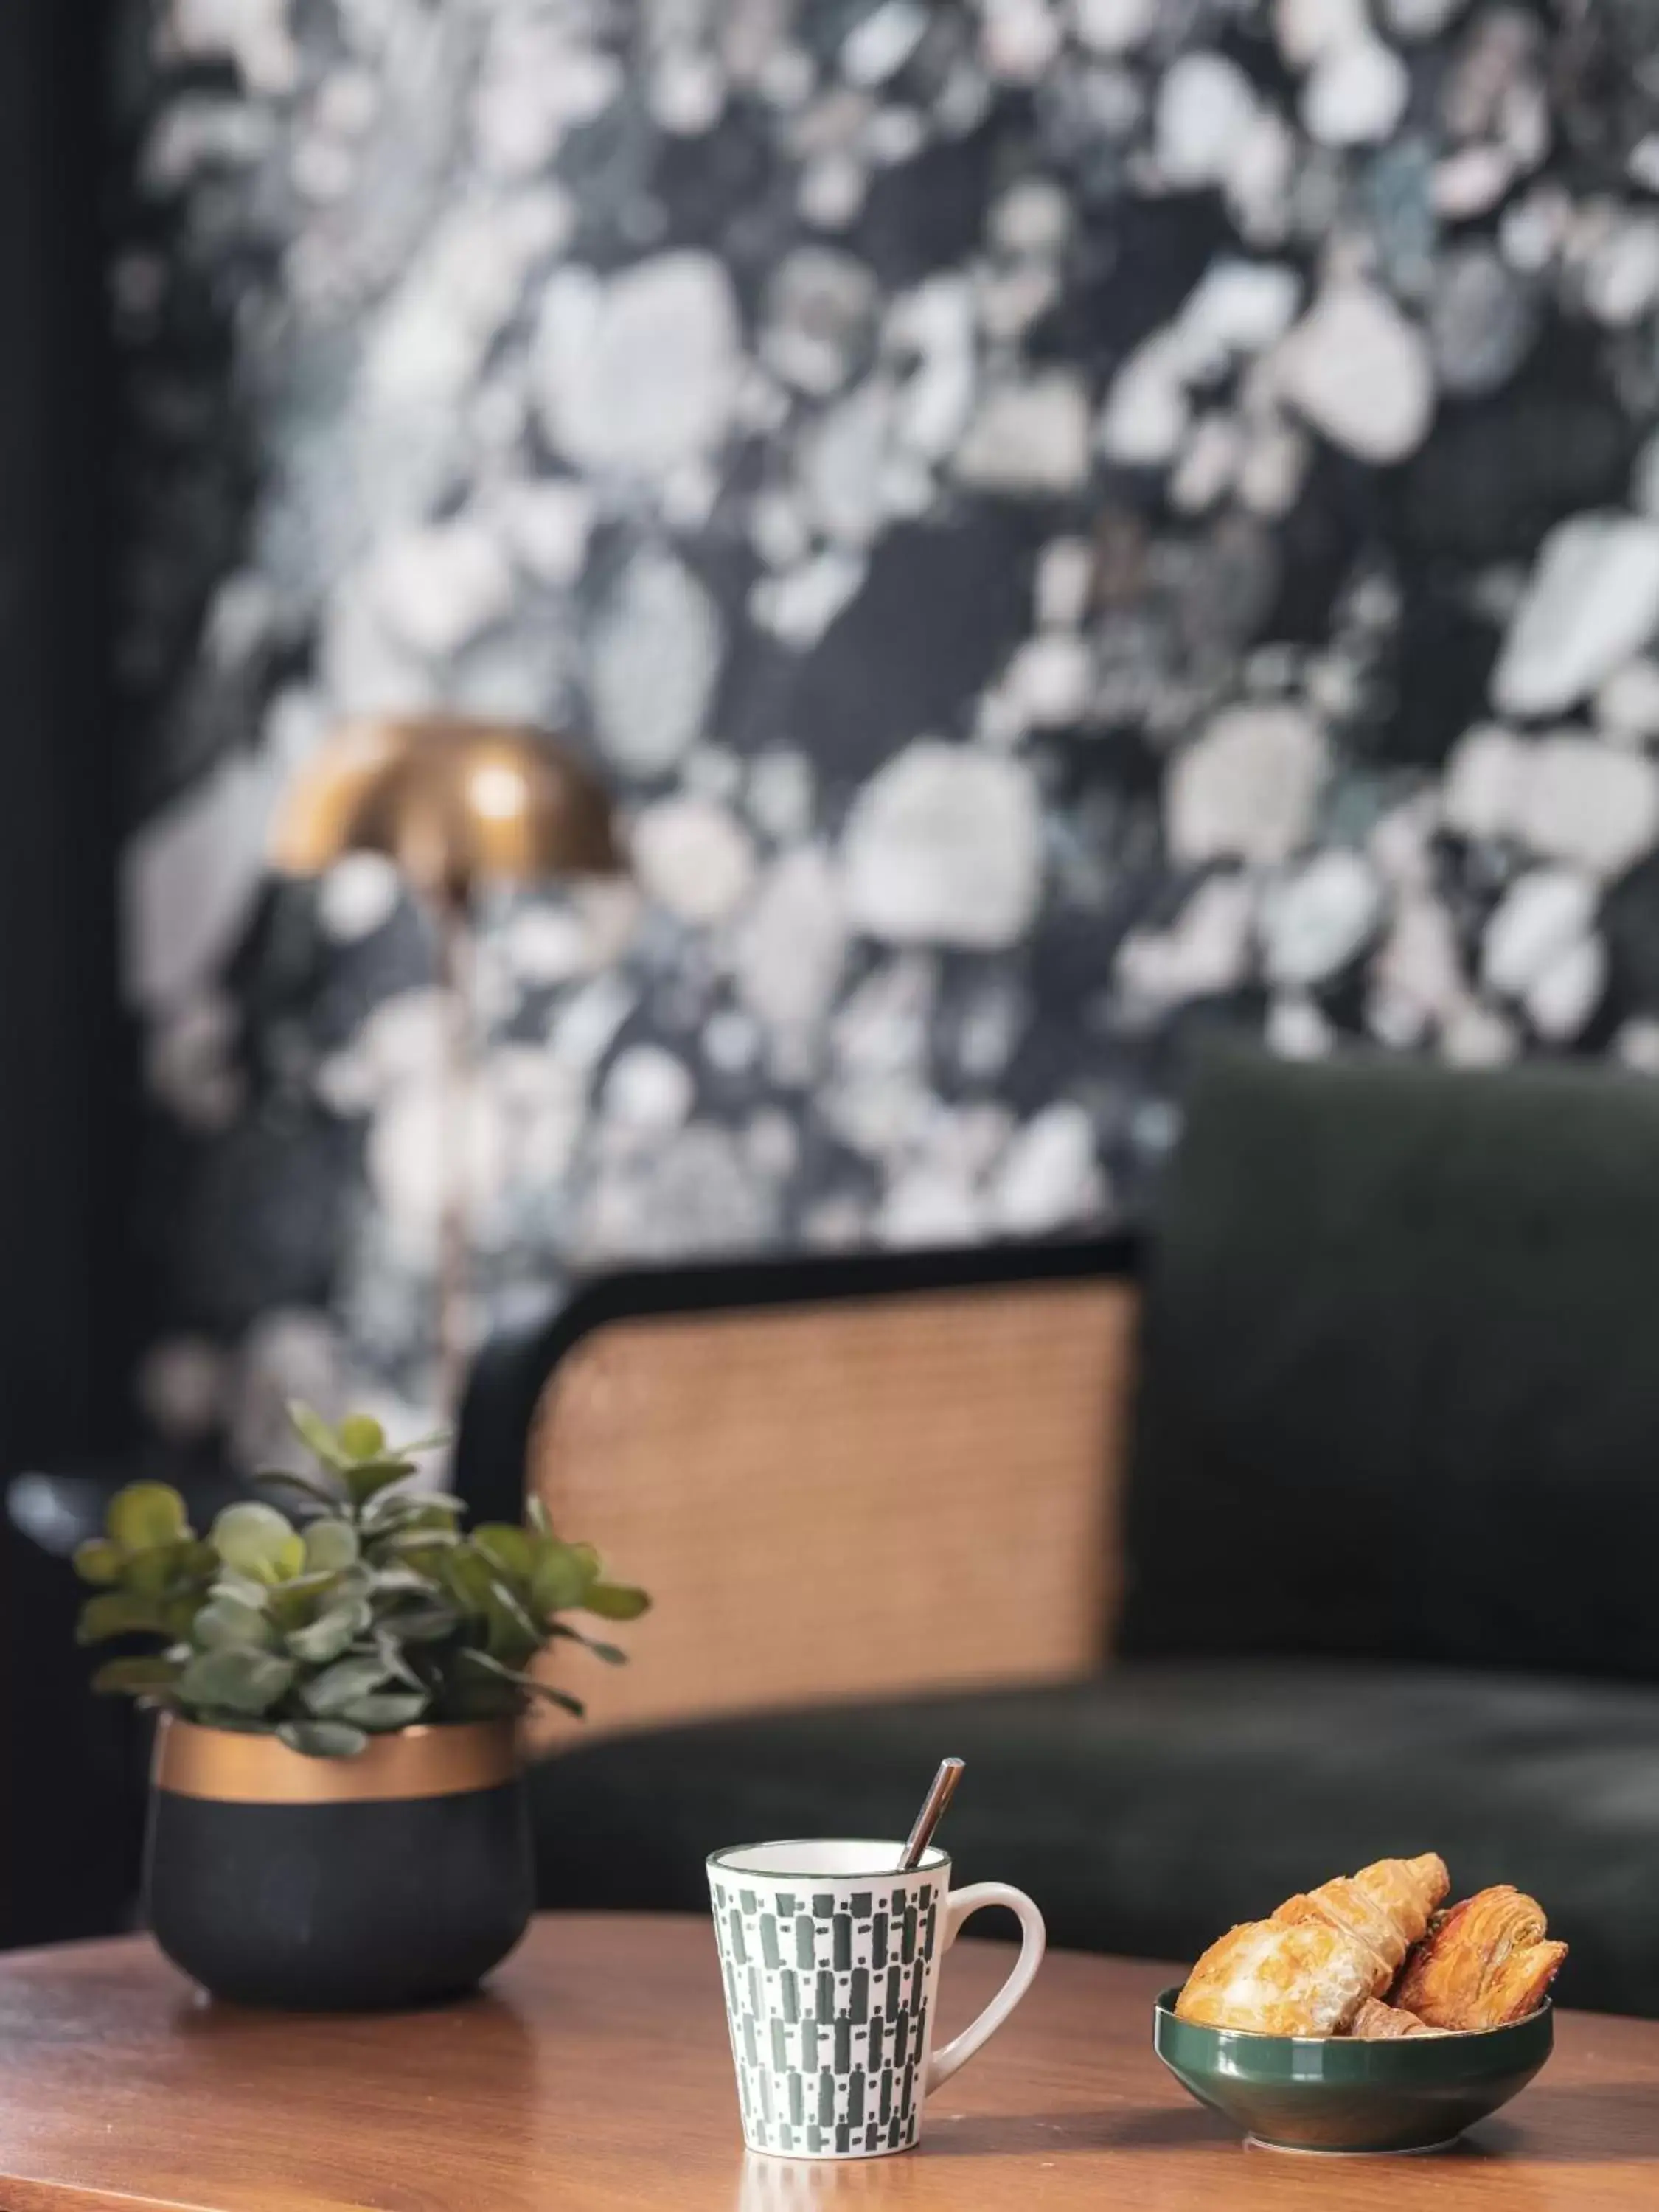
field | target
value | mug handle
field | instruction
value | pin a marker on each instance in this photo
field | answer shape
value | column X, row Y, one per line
column 1033, row 1937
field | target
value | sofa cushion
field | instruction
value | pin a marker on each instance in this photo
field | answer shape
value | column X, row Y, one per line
column 1149, row 1809
column 1401, row 1395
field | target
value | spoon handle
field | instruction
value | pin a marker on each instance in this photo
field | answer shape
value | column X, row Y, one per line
column 932, row 1811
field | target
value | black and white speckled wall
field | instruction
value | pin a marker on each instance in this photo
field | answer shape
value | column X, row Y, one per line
column 1061, row 517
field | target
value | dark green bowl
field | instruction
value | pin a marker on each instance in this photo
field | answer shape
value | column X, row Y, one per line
column 1330, row 2094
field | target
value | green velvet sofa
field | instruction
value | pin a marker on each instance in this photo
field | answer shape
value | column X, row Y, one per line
column 1383, row 1557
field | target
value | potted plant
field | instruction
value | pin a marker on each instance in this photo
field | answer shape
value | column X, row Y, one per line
column 337, row 1814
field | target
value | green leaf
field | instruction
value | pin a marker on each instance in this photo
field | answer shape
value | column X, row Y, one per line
column 416, row 1548
column 146, row 1514
column 612, row 1655
column 229, row 1583
column 296, row 1604
column 535, row 1516
column 421, row 1556
column 422, row 1509
column 314, row 1493
column 507, row 1643
column 396, row 1578
column 227, row 1622
column 315, row 1434
column 422, row 1624
column 510, row 1551
column 320, row 1582
column 513, row 1636
column 386, row 1709
column 530, row 1683
column 98, row 1560
column 616, row 1601
column 560, row 1578
column 362, row 1437
column 552, row 1696
column 331, row 1633
column 234, row 1681
column 397, row 1667
column 510, row 1625
column 344, row 1684
column 366, row 1478
column 151, row 1573
column 178, row 1614
column 118, row 1613
column 323, row 1739
column 136, row 1677
column 468, row 1578
column 394, row 1657
column 258, row 1542
column 329, row 1546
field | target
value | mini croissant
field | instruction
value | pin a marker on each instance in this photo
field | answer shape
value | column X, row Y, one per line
column 1484, row 1963
column 1308, row 1970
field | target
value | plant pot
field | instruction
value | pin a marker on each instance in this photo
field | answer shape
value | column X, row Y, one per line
column 396, row 1878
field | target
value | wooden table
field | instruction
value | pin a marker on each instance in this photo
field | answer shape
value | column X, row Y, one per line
column 595, row 2077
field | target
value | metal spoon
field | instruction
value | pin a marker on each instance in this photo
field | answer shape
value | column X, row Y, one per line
column 939, row 1797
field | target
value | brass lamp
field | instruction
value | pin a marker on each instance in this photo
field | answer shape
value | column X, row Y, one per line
column 454, row 804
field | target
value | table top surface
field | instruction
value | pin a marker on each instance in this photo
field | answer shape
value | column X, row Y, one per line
column 595, row 2076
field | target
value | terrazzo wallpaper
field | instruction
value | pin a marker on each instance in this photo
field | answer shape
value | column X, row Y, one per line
column 1060, row 519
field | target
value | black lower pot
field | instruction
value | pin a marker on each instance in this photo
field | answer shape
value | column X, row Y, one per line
column 396, row 1878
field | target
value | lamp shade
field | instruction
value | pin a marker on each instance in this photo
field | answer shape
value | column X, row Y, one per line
column 454, row 803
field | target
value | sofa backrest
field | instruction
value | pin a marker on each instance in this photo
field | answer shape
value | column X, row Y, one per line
column 1401, row 1369
column 838, row 1478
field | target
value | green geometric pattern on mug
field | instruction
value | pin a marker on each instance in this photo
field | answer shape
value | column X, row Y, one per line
column 828, row 2009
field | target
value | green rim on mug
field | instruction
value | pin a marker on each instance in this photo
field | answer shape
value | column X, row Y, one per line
column 1339, row 2094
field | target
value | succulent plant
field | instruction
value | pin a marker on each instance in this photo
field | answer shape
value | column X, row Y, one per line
column 367, row 1611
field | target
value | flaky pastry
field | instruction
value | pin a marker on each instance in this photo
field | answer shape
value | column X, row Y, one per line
column 1308, row 1969
column 1483, row 1964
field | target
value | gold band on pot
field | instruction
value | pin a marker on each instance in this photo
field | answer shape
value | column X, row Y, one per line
column 257, row 1769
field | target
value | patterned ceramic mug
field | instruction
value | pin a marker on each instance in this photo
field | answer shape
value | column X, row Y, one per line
column 831, row 1963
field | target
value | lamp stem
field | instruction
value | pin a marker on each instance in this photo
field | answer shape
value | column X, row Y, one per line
column 455, row 1230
